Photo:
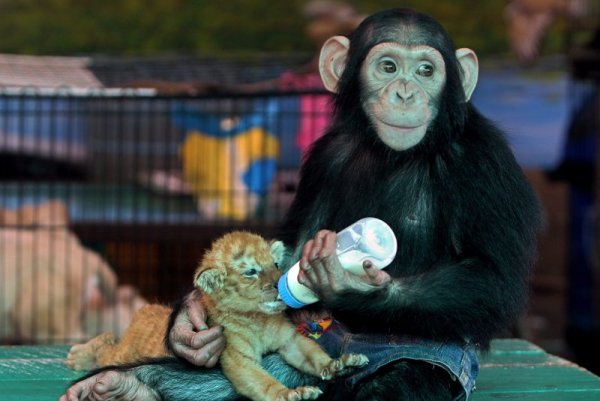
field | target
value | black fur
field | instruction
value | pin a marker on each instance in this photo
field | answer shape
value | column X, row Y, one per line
column 464, row 215
column 404, row 381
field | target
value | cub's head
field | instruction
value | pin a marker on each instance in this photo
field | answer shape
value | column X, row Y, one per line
column 239, row 273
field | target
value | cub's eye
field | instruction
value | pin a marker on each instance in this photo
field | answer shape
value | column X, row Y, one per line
column 250, row 272
column 425, row 70
column 387, row 66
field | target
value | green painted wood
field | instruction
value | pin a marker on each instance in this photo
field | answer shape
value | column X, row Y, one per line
column 39, row 390
column 512, row 370
column 513, row 345
column 34, row 373
column 503, row 348
column 33, row 352
column 585, row 395
column 517, row 359
column 536, row 378
column 32, row 369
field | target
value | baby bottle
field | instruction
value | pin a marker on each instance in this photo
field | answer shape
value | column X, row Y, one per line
column 368, row 238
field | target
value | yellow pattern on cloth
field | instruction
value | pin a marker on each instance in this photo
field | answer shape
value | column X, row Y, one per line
column 214, row 167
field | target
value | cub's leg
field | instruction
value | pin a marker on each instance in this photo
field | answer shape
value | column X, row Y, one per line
column 306, row 355
column 251, row 380
column 344, row 364
column 87, row 356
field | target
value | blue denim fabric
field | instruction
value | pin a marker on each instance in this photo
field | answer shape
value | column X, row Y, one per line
column 459, row 360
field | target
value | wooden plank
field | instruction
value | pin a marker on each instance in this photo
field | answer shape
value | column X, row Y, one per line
column 32, row 363
column 541, row 379
column 529, row 356
column 518, row 370
column 509, row 360
column 513, row 345
column 25, row 377
column 35, row 369
column 509, row 352
column 40, row 390
column 513, row 370
column 583, row 395
column 34, row 352
column 34, row 373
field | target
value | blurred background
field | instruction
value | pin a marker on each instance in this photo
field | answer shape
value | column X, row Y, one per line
column 132, row 133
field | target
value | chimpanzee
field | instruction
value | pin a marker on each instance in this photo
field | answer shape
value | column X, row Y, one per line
column 405, row 146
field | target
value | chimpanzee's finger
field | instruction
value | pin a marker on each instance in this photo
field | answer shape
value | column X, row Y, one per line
column 374, row 275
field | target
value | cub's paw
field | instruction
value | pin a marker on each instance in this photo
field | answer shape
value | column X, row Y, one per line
column 343, row 365
column 81, row 357
column 85, row 356
column 299, row 393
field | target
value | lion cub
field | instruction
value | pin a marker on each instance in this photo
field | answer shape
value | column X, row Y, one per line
column 237, row 278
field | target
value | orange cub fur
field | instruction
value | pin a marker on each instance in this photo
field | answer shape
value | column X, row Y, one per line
column 144, row 338
column 237, row 278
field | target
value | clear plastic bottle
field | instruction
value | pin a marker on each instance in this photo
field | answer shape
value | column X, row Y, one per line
column 368, row 238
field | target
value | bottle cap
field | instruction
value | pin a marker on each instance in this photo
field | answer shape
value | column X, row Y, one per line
column 286, row 295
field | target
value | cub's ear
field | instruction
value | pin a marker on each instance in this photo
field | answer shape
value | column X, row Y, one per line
column 209, row 279
column 277, row 252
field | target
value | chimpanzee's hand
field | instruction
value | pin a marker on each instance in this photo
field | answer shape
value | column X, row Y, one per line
column 321, row 271
column 191, row 338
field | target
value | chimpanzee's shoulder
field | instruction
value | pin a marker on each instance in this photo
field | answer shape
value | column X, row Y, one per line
column 483, row 141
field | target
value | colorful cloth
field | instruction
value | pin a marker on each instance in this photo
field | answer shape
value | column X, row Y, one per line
column 229, row 161
column 315, row 328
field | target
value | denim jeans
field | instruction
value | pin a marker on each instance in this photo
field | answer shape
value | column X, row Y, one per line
column 459, row 360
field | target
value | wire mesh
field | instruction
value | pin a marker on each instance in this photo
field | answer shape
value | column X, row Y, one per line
column 108, row 198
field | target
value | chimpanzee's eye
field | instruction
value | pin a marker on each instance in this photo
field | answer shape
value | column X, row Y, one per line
column 425, row 70
column 387, row 66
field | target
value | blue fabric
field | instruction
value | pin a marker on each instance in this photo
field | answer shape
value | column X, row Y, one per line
column 259, row 176
column 459, row 360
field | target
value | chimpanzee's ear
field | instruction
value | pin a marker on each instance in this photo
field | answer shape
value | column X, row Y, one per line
column 470, row 69
column 332, row 61
column 209, row 279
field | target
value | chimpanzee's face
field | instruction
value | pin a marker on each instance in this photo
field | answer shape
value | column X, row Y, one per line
column 401, row 89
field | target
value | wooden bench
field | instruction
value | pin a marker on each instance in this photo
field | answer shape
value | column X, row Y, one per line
column 513, row 370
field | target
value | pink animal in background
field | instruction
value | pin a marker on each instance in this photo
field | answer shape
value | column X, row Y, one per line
column 52, row 288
